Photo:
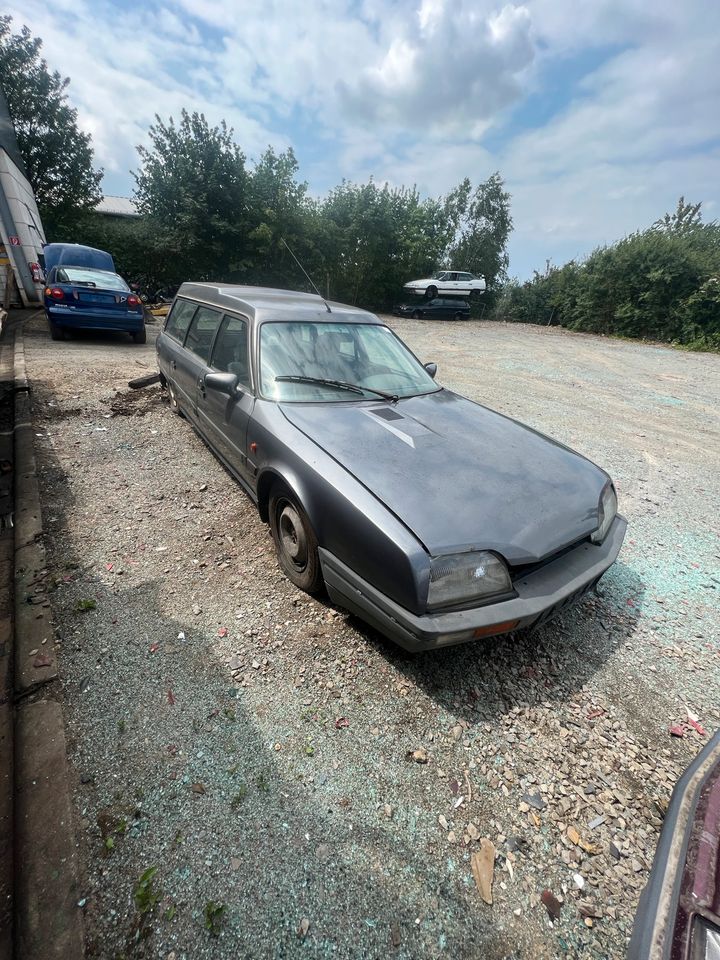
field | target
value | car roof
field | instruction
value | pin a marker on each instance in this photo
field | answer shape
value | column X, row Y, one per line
column 269, row 303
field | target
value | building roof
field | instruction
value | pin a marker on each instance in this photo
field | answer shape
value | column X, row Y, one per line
column 117, row 207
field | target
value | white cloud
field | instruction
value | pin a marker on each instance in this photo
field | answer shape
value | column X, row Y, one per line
column 452, row 69
column 410, row 90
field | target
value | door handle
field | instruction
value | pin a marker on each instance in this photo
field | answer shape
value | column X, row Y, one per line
column 173, row 364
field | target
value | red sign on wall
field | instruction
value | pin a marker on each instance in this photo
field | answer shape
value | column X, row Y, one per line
column 14, row 241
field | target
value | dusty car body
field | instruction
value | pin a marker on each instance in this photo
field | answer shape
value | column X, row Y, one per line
column 431, row 517
column 437, row 309
column 679, row 913
column 448, row 283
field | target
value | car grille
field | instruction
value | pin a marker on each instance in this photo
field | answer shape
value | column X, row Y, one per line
column 547, row 615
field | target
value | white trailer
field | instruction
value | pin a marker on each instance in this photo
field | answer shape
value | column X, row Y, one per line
column 21, row 231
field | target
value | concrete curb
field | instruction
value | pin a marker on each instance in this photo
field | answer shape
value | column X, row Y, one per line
column 48, row 922
column 33, row 631
column 7, row 713
column 47, row 925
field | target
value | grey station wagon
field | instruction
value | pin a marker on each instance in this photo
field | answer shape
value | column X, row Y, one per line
column 433, row 518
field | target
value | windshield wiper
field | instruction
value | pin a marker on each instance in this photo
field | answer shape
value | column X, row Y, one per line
column 342, row 384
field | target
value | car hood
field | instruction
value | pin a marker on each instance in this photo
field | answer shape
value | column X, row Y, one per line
column 459, row 475
column 420, row 283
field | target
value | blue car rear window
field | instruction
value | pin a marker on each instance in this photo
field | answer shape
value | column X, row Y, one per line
column 89, row 277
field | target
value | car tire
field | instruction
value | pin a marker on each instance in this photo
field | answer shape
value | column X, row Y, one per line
column 56, row 332
column 461, row 316
column 295, row 542
column 417, row 315
column 431, row 293
column 140, row 336
column 172, row 399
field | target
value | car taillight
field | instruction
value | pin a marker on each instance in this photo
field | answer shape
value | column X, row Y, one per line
column 133, row 301
column 54, row 292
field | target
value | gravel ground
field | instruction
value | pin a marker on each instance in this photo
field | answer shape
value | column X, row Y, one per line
column 250, row 744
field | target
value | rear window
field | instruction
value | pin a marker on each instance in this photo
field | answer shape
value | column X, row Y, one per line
column 179, row 319
column 87, row 277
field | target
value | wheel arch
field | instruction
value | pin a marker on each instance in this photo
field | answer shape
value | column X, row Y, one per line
column 267, row 480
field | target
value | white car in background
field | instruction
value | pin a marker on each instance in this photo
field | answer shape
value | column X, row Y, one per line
column 448, row 281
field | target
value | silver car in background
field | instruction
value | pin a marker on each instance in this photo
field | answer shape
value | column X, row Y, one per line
column 433, row 518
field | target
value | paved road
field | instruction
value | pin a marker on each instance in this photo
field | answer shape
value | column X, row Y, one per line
column 206, row 699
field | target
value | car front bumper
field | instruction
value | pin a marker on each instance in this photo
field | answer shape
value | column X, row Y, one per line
column 540, row 596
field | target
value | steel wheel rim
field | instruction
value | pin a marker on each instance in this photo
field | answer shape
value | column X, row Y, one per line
column 293, row 540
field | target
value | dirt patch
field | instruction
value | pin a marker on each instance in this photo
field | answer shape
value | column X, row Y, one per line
column 137, row 403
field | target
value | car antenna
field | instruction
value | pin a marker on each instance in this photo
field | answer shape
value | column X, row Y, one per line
column 283, row 240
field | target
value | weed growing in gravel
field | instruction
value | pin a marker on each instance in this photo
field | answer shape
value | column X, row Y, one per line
column 82, row 606
column 214, row 917
column 170, row 912
column 262, row 784
column 146, row 896
column 122, row 726
column 239, row 797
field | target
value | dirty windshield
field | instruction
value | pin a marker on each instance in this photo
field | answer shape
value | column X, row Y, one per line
column 298, row 359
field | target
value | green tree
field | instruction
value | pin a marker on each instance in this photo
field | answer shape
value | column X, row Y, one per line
column 58, row 157
column 481, row 223
column 193, row 187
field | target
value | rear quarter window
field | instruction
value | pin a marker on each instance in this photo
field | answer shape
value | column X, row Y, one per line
column 179, row 319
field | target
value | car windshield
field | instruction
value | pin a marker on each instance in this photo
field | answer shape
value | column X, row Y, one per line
column 365, row 360
column 87, row 277
column 439, row 275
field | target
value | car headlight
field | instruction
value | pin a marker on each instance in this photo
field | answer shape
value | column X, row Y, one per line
column 607, row 508
column 466, row 576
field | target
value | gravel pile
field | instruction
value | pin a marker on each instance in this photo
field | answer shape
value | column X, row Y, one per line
column 260, row 775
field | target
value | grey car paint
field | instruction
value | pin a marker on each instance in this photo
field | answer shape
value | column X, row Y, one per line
column 386, row 487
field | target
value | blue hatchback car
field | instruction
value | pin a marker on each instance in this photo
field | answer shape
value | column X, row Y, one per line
column 78, row 297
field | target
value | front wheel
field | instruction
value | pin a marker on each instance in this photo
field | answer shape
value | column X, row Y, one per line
column 140, row 336
column 417, row 315
column 295, row 542
column 431, row 293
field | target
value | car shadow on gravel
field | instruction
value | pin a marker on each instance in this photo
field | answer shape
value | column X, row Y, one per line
column 481, row 680
column 172, row 772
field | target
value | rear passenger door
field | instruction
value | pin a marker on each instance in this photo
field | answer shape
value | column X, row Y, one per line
column 223, row 419
column 194, row 361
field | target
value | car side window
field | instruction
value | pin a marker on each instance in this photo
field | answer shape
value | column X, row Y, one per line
column 201, row 332
column 230, row 354
column 179, row 319
column 465, row 276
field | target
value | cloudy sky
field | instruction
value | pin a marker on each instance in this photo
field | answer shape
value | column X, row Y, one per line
column 598, row 113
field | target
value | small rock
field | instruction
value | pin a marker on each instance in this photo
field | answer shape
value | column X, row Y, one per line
column 303, row 928
column 551, row 904
column 417, row 756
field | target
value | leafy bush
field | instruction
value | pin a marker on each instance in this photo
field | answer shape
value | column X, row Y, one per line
column 662, row 283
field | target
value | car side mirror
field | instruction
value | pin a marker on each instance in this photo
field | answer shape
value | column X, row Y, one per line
column 222, row 383
column 431, row 369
